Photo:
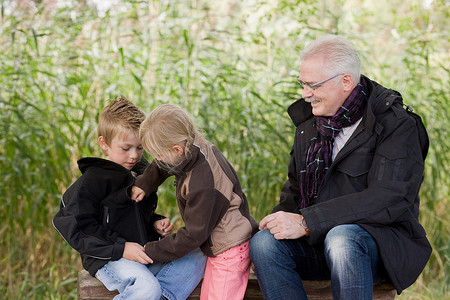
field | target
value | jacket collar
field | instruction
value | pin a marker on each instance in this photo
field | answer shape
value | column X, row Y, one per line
column 85, row 162
column 187, row 164
column 300, row 111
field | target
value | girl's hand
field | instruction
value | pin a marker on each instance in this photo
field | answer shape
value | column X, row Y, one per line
column 135, row 252
column 137, row 194
column 163, row 227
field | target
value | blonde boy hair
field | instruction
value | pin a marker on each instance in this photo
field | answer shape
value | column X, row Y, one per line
column 118, row 117
column 166, row 126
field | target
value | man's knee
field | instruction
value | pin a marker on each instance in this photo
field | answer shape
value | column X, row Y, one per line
column 338, row 235
column 261, row 244
column 344, row 241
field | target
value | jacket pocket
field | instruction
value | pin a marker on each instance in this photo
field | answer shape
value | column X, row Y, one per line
column 356, row 165
column 390, row 152
column 352, row 173
column 391, row 163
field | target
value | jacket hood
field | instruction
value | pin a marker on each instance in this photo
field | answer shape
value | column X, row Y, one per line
column 86, row 162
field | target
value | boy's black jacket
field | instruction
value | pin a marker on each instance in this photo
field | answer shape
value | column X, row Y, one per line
column 97, row 215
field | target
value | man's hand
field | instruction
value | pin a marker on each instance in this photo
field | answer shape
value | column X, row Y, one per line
column 137, row 194
column 135, row 252
column 163, row 227
column 283, row 225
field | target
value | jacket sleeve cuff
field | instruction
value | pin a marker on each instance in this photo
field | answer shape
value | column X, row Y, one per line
column 118, row 248
column 147, row 251
column 157, row 217
column 315, row 232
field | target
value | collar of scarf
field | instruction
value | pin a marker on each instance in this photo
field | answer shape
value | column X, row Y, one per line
column 317, row 157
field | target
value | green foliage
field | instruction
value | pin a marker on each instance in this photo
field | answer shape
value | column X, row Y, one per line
column 232, row 65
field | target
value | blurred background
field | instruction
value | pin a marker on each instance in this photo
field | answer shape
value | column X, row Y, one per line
column 232, row 64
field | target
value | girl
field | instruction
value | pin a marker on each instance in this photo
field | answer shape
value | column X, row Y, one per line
column 211, row 202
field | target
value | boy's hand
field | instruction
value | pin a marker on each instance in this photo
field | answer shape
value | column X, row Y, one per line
column 163, row 227
column 137, row 194
column 135, row 252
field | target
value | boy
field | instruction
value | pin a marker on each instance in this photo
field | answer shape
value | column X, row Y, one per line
column 99, row 219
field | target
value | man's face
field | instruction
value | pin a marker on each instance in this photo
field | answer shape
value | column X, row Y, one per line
column 327, row 97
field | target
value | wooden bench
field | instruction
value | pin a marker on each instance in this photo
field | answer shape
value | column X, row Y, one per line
column 90, row 288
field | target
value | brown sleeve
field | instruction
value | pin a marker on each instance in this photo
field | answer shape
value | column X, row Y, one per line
column 151, row 179
column 204, row 209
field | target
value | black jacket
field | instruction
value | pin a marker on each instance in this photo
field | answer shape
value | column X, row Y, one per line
column 97, row 215
column 374, row 182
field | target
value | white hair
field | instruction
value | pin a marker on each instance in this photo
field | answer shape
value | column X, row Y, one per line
column 340, row 55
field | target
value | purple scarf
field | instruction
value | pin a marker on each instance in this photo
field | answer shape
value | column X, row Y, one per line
column 317, row 157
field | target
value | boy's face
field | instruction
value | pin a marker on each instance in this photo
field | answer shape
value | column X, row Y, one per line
column 125, row 149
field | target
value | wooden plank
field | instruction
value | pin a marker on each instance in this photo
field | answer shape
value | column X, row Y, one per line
column 320, row 290
column 251, row 293
column 90, row 288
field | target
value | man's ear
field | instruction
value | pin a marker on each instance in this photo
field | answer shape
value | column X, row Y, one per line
column 178, row 149
column 348, row 83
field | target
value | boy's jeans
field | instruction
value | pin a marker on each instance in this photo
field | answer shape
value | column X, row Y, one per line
column 349, row 257
column 173, row 280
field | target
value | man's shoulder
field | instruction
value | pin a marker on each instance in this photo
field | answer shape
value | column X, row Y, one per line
column 387, row 104
column 391, row 112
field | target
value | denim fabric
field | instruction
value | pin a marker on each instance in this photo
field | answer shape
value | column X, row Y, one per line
column 348, row 251
column 173, row 280
column 354, row 260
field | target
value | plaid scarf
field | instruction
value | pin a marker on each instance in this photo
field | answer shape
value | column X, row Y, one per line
column 317, row 157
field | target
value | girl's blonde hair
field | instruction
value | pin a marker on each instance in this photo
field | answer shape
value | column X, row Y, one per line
column 166, row 126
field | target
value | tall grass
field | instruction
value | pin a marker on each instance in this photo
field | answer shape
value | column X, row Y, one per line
column 231, row 64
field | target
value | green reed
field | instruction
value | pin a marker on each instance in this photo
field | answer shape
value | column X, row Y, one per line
column 232, row 66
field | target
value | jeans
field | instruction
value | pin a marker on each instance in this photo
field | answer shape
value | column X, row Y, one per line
column 173, row 280
column 348, row 256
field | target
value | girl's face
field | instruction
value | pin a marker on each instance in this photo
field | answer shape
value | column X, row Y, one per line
column 173, row 156
column 125, row 149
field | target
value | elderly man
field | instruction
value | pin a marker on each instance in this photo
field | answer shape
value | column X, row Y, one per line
column 349, row 209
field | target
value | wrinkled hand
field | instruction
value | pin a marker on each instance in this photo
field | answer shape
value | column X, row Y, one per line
column 283, row 225
column 137, row 194
column 135, row 252
column 163, row 227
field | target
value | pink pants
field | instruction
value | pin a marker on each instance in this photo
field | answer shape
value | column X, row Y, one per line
column 226, row 275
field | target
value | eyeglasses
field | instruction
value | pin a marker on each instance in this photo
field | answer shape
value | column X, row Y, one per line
column 314, row 86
